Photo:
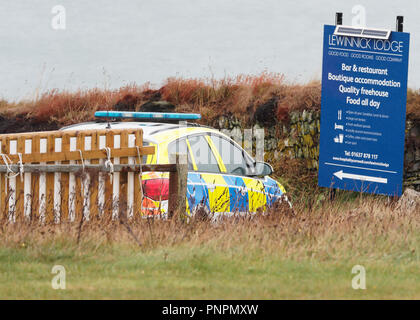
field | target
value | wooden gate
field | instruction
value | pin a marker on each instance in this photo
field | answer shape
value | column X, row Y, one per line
column 58, row 175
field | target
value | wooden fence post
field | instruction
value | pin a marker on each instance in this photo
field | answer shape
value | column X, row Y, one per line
column 52, row 180
column 177, row 185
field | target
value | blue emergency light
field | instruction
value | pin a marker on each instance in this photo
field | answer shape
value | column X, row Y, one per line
column 147, row 115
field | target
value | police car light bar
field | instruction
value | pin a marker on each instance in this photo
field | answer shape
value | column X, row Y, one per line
column 362, row 32
column 147, row 115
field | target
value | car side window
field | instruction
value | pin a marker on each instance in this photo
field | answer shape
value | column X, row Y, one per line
column 203, row 155
column 180, row 146
column 144, row 158
column 234, row 158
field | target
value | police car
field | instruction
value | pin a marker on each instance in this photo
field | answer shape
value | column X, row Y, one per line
column 222, row 177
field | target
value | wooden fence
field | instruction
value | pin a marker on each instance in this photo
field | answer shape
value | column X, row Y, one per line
column 59, row 175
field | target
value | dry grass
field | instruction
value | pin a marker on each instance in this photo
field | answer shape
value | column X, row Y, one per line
column 239, row 96
column 413, row 104
column 236, row 93
column 372, row 225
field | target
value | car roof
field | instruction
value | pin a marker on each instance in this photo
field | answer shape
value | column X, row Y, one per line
column 148, row 127
column 151, row 130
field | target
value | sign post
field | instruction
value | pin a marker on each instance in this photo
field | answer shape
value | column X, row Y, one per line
column 363, row 109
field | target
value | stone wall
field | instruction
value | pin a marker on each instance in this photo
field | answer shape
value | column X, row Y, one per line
column 412, row 155
column 298, row 137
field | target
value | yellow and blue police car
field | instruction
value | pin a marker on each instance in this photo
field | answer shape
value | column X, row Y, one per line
column 223, row 179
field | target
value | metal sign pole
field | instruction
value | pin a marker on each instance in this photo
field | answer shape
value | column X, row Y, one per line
column 338, row 22
column 338, row 18
column 400, row 23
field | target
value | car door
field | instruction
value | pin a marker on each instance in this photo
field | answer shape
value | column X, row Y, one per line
column 219, row 178
column 197, row 192
column 247, row 193
column 208, row 171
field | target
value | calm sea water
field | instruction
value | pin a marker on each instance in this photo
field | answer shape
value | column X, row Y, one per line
column 109, row 44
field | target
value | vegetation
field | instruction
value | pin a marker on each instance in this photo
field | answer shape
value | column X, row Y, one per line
column 308, row 254
column 240, row 96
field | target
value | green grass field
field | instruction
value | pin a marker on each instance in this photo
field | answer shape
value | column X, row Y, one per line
column 200, row 273
column 309, row 255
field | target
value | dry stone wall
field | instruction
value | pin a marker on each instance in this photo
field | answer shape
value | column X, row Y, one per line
column 299, row 138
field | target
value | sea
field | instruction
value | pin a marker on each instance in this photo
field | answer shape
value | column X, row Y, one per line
column 79, row 44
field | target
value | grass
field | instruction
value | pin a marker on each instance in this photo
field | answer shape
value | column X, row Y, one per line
column 200, row 273
column 280, row 255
